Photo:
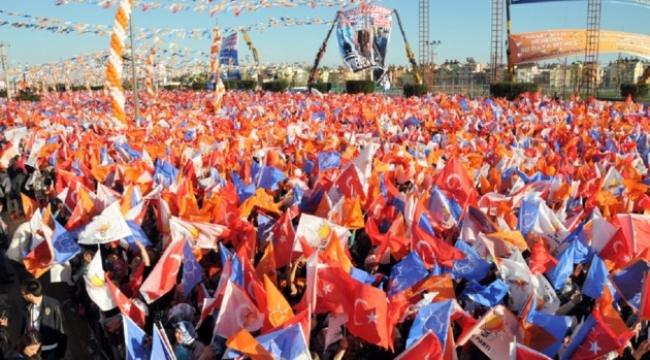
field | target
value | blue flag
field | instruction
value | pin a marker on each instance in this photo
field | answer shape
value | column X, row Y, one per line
column 583, row 251
column 473, row 267
column 64, row 246
column 328, row 160
column 237, row 270
column 134, row 340
column 362, row 276
column 270, row 177
column 138, row 235
column 528, row 213
column 243, row 191
column 629, row 280
column 488, row 296
column 161, row 349
column 192, row 273
column 596, row 279
column 554, row 324
column 433, row 317
column 557, row 275
column 264, row 225
column 406, row 273
column 165, row 173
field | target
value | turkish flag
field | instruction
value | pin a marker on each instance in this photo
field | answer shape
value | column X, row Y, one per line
column 427, row 347
column 349, row 184
column 163, row 276
column 432, row 250
column 453, row 179
column 368, row 315
column 618, row 250
column 125, row 304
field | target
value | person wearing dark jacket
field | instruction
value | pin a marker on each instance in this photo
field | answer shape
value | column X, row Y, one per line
column 44, row 315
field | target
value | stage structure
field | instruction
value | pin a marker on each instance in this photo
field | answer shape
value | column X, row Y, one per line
column 363, row 34
column 593, row 43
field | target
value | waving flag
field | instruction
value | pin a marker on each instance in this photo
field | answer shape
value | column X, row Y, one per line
column 270, row 177
column 406, row 273
column 237, row 312
column 134, row 338
column 433, row 317
column 597, row 278
column 494, row 333
column 109, row 226
column 474, row 267
column 426, row 346
column 163, row 276
column 96, row 286
column 63, row 245
column 126, row 306
column 488, row 296
column 328, row 160
column 288, row 343
column 192, row 271
column 161, row 348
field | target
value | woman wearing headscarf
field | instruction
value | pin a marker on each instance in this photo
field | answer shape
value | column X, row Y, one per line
column 187, row 341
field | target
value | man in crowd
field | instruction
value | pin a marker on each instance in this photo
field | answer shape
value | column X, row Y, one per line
column 44, row 314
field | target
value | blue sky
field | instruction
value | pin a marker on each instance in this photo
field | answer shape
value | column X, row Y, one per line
column 462, row 26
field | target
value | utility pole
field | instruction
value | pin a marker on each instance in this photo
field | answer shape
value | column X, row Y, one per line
column 3, row 58
column 136, row 100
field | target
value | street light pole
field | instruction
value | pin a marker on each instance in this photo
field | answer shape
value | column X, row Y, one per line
column 432, row 47
column 136, row 100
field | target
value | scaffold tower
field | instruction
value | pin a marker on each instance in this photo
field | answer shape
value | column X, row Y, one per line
column 496, row 41
column 423, row 49
column 590, row 69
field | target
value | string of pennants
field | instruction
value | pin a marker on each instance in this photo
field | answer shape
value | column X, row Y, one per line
column 214, row 7
column 65, row 27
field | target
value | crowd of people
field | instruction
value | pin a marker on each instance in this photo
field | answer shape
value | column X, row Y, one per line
column 332, row 226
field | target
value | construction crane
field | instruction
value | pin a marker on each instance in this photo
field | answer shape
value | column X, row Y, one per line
column 252, row 48
column 409, row 53
column 645, row 77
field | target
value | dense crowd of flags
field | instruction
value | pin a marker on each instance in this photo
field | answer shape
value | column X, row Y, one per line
column 446, row 188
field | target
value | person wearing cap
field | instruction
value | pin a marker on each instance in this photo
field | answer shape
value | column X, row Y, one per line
column 187, row 341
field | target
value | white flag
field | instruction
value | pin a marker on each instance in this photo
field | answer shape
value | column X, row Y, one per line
column 96, row 287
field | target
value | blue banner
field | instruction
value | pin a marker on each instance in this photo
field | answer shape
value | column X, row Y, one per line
column 228, row 57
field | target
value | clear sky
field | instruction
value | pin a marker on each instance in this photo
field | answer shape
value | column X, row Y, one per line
column 462, row 26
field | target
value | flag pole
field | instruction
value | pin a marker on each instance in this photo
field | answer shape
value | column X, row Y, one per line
column 136, row 101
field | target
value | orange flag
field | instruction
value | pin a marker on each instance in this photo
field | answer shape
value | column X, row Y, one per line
column 336, row 254
column 352, row 215
column 29, row 205
column 246, row 344
column 266, row 266
column 278, row 309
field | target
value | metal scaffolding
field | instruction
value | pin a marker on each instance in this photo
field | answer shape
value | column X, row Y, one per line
column 496, row 41
column 590, row 69
column 423, row 32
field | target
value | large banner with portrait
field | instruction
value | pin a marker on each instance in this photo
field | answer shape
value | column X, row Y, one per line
column 363, row 34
